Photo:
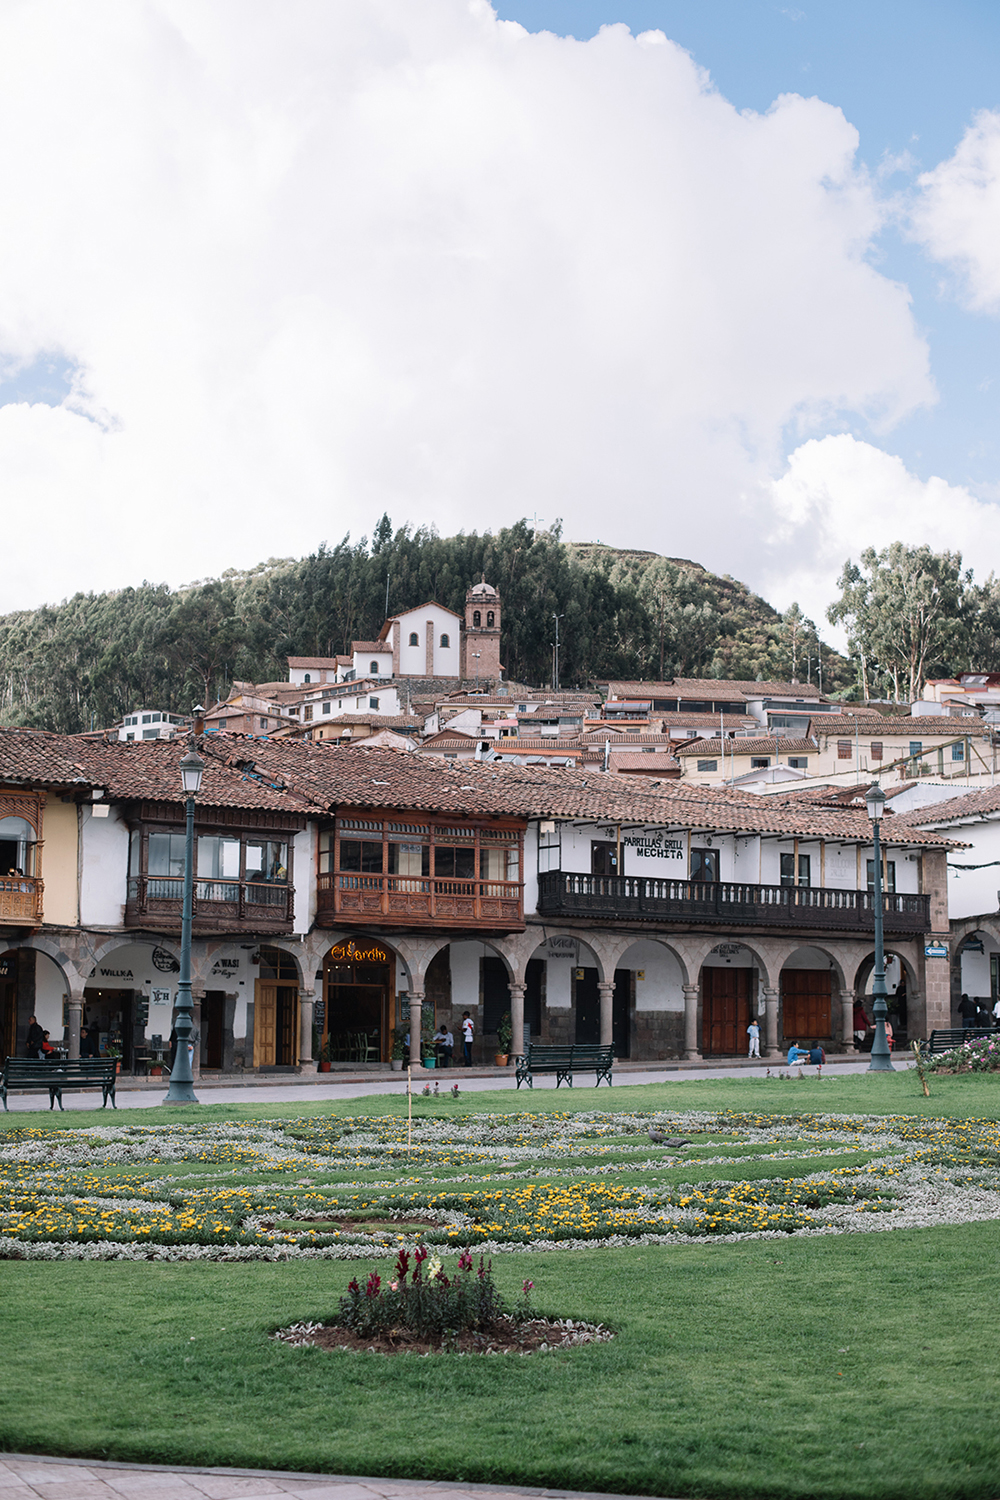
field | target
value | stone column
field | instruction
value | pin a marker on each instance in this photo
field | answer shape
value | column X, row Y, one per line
column 771, row 1024
column 517, row 1019
column 416, row 1000
column 307, row 1063
column 847, row 1018
column 691, row 1020
column 75, row 1014
column 606, row 990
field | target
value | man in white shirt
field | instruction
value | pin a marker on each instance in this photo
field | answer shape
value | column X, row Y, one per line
column 468, row 1031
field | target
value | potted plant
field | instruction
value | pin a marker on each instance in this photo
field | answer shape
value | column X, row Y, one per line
column 505, row 1036
column 324, row 1057
column 398, row 1054
column 116, row 1052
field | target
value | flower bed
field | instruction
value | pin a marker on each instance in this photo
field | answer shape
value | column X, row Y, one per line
column 980, row 1054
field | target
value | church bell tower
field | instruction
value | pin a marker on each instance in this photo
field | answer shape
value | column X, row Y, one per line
column 481, row 636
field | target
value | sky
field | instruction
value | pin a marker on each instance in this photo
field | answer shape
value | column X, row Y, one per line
column 718, row 278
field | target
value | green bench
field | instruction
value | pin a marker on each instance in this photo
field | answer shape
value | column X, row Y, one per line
column 564, row 1062
column 954, row 1036
column 27, row 1075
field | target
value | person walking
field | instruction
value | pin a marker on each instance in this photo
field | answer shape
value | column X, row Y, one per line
column 468, row 1031
column 753, row 1032
column 34, row 1040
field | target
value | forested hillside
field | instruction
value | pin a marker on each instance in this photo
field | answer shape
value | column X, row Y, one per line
column 91, row 659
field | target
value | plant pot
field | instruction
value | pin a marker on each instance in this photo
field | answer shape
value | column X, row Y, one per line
column 430, row 1062
column 155, row 1071
column 396, row 1064
column 324, row 1067
column 501, row 1059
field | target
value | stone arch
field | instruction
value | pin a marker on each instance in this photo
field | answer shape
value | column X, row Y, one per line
column 812, row 983
column 972, row 972
column 658, row 977
column 48, row 979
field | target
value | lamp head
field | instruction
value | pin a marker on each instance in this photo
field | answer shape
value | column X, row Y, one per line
column 192, row 767
column 875, row 802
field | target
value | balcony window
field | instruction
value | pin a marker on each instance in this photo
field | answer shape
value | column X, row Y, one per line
column 500, row 864
column 788, row 870
column 704, row 864
column 267, row 860
column 455, row 863
column 218, row 858
column 361, row 856
column 603, row 857
column 166, row 855
column 889, row 876
column 17, row 847
column 409, row 859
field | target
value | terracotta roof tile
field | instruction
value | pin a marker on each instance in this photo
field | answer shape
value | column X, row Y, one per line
column 764, row 745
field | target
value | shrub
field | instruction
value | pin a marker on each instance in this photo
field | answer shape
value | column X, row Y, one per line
column 423, row 1302
column 980, row 1054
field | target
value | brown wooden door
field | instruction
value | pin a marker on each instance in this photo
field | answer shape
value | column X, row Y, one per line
column 265, row 1014
column 213, row 1015
column 725, row 1010
column 805, row 997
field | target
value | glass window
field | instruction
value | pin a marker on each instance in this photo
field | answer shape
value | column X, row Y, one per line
column 788, row 869
column 134, row 852
column 759, row 762
column 704, row 864
column 414, row 638
column 798, row 762
column 373, row 703
column 267, row 859
column 361, row 856
column 876, row 749
column 445, row 641
column 326, row 707
column 458, row 864
column 409, row 859
column 218, row 858
column 958, row 752
column 843, row 749
column 499, row 864
column 373, row 668
column 325, row 853
column 307, row 713
column 166, row 854
column 889, row 883
column 708, row 765
column 916, row 747
column 307, row 677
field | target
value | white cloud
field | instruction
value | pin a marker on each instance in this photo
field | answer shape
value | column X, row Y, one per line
column 957, row 215
column 319, row 261
column 839, row 496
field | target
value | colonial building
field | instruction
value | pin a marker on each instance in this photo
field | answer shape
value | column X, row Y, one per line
column 344, row 895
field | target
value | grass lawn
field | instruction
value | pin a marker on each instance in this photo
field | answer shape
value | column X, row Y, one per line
column 858, row 1366
column 848, row 1365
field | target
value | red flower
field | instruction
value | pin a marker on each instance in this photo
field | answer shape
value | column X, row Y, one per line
column 373, row 1284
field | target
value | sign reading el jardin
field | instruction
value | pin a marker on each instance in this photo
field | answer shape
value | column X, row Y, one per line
column 350, row 953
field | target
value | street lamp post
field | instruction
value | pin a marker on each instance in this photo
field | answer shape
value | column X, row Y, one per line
column 555, row 658
column 881, row 1058
column 181, row 1090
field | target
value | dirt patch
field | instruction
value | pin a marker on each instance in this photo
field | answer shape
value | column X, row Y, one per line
column 505, row 1336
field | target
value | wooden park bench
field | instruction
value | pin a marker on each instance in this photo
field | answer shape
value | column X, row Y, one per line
column 954, row 1036
column 564, row 1062
column 25, row 1075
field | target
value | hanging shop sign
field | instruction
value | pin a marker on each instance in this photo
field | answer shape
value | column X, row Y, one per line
column 349, row 953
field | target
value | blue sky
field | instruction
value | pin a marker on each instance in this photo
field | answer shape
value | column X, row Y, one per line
column 910, row 77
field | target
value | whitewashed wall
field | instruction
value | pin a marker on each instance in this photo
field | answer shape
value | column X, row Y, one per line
column 105, row 869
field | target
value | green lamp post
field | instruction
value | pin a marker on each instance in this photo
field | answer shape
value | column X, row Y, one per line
column 181, row 1090
column 881, row 1058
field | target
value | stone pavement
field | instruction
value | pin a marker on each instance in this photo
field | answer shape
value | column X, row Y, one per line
column 326, row 1086
column 25, row 1477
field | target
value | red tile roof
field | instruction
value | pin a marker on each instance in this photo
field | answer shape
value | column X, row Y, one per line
column 711, row 687
column 764, row 745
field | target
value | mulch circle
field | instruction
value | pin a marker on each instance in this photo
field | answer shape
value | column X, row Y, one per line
column 505, row 1336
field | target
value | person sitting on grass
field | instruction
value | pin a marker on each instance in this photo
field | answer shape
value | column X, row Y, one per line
column 817, row 1056
column 796, row 1054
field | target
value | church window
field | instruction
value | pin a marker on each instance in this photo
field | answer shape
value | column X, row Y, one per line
column 445, row 642
column 414, row 641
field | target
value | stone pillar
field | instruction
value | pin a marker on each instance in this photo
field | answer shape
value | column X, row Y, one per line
column 75, row 1014
column 416, row 1000
column 691, row 1020
column 517, row 1019
column 771, row 1024
column 847, row 1019
column 606, row 990
column 307, row 1063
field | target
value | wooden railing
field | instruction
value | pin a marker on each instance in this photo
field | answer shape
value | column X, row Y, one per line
column 725, row 902
column 21, row 900
column 420, row 900
column 217, row 904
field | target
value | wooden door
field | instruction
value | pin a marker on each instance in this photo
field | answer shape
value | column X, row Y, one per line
column 725, row 1010
column 587, row 1003
column 805, row 995
column 213, row 1014
column 265, row 1016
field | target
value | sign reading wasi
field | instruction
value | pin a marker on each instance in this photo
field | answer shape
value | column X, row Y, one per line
column 653, row 846
column 349, row 953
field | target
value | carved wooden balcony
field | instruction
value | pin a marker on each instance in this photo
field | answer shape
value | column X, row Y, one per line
column 419, row 901
column 218, row 906
column 21, row 901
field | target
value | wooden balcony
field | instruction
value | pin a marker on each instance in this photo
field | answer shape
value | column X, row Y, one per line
column 21, row 901
column 218, row 906
column 419, row 901
column 725, row 903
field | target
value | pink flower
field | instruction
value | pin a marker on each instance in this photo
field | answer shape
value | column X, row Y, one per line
column 527, row 1286
column 465, row 1261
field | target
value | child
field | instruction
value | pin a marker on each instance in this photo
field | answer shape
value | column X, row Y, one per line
column 753, row 1032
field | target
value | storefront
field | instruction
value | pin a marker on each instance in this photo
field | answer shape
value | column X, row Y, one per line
column 358, row 990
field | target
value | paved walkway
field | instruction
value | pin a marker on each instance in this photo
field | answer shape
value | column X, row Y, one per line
column 24, row 1477
column 327, row 1086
